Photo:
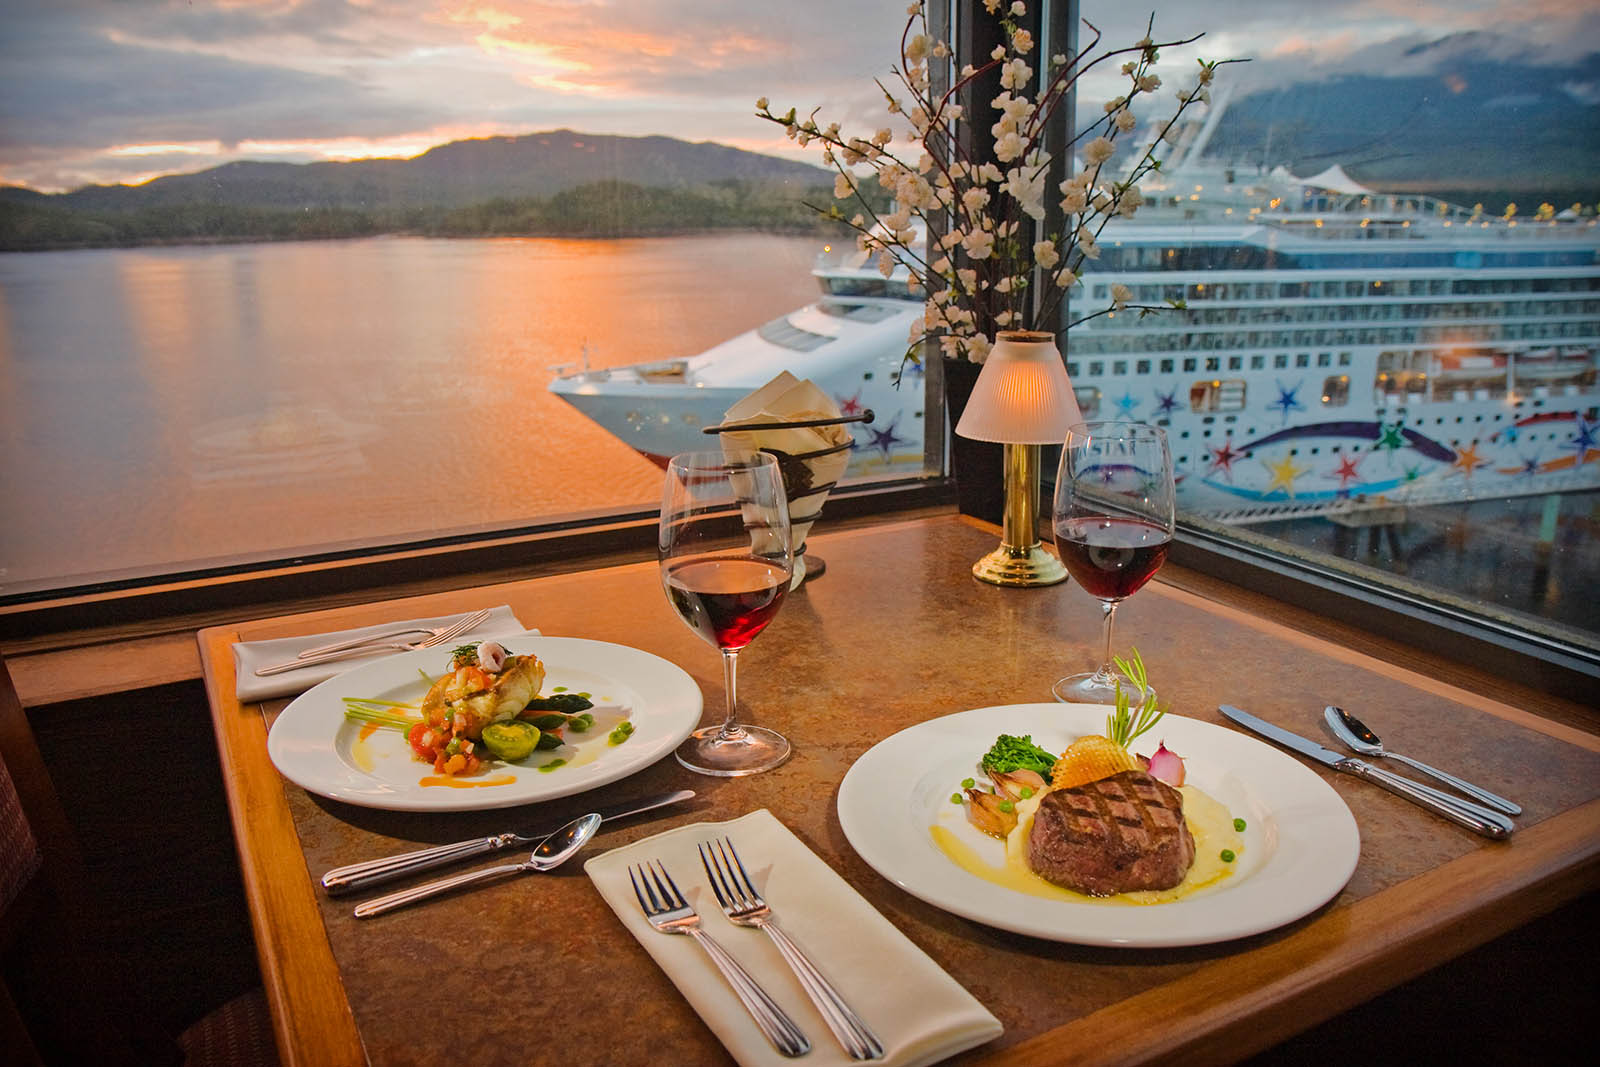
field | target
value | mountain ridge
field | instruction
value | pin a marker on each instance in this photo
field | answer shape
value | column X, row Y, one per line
column 451, row 175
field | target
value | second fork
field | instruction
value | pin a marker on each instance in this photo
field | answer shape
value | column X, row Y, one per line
column 669, row 912
column 744, row 906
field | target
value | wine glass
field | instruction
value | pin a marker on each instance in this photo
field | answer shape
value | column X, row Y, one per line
column 726, row 561
column 1113, row 522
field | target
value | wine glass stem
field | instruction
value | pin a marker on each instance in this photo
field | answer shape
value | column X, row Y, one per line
column 730, row 682
column 1105, row 673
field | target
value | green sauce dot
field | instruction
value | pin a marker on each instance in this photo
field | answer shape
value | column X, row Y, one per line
column 968, row 783
column 546, row 768
column 559, row 689
column 1238, row 824
column 1227, row 855
column 955, row 798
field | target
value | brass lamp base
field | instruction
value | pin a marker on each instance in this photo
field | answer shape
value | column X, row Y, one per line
column 1020, row 559
column 1020, row 565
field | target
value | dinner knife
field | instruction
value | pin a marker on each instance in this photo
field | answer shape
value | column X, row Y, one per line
column 357, row 876
column 1474, row 817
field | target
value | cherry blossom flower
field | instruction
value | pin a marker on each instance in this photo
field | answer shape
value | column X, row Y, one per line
column 974, row 240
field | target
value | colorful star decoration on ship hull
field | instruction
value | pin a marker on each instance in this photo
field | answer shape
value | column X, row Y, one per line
column 1348, row 470
column 1288, row 400
column 1467, row 460
column 1166, row 403
column 885, row 439
column 1283, row 472
column 1583, row 440
column 849, row 406
column 1222, row 458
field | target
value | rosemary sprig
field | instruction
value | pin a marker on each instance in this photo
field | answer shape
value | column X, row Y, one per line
column 1123, row 724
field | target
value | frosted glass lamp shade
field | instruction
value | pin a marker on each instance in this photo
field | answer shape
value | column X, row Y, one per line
column 1022, row 395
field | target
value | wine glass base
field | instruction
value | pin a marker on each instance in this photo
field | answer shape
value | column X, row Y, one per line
column 750, row 750
column 1095, row 689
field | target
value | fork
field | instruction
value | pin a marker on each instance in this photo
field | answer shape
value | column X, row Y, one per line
column 467, row 623
column 744, row 906
column 439, row 637
column 668, row 912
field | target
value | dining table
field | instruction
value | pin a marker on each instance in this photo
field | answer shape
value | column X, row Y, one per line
column 895, row 633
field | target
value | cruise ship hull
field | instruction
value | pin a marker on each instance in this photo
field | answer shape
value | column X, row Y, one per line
column 1334, row 351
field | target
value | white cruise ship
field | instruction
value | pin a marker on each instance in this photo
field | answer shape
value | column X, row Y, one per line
column 1341, row 349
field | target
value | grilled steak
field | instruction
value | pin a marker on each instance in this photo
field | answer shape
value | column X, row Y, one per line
column 1115, row 835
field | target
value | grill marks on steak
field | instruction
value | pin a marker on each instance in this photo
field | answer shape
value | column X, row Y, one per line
column 1115, row 835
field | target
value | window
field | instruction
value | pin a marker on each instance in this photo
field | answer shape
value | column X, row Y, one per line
column 269, row 394
column 1378, row 332
column 1217, row 395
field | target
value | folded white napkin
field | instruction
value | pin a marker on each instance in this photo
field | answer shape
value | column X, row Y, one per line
column 249, row 656
column 915, row 1008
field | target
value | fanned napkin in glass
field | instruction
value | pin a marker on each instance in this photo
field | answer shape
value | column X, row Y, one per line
column 248, row 656
column 812, row 458
column 919, row 1012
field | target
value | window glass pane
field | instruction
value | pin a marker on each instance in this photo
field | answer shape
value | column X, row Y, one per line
column 461, row 267
column 1411, row 359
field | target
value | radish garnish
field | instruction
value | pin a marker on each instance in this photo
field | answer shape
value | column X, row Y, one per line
column 1167, row 766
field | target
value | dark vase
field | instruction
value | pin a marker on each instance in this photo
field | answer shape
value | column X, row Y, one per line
column 977, row 466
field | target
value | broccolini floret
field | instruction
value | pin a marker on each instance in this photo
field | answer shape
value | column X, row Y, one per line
column 1011, row 753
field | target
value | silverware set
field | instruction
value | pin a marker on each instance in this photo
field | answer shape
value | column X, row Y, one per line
column 1488, row 818
column 669, row 912
column 365, row 646
column 552, row 847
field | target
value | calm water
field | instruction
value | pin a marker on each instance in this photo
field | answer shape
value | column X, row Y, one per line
column 160, row 407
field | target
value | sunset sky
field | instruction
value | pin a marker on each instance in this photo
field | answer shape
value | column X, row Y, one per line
column 103, row 91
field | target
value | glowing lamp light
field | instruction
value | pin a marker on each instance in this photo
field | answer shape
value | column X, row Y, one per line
column 1022, row 399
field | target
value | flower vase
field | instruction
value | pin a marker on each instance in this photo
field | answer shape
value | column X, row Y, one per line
column 973, row 464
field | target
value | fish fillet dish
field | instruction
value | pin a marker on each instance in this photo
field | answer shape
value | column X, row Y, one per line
column 484, row 685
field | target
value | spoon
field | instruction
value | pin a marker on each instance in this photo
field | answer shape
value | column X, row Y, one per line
column 551, row 853
column 1355, row 733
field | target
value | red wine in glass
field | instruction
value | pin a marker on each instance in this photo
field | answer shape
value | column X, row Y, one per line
column 727, row 600
column 1112, row 557
column 727, row 558
column 1114, row 514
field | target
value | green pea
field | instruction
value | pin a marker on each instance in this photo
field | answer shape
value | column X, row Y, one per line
column 1238, row 824
column 955, row 798
column 1027, row 791
column 1227, row 855
column 968, row 783
column 1007, row 807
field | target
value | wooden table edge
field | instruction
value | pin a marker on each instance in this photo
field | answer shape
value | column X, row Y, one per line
column 1338, row 961
column 311, row 1015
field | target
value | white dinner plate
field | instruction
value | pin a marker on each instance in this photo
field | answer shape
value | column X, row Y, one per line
column 1300, row 840
column 316, row 747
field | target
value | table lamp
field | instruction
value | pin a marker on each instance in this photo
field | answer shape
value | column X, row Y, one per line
column 1022, row 399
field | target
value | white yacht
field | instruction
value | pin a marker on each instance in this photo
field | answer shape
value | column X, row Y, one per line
column 1341, row 348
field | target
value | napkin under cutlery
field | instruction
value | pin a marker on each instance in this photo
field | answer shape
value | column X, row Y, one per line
column 919, row 1011
column 249, row 655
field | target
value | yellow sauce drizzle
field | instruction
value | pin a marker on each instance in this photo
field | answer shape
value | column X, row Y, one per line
column 360, row 751
column 453, row 782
